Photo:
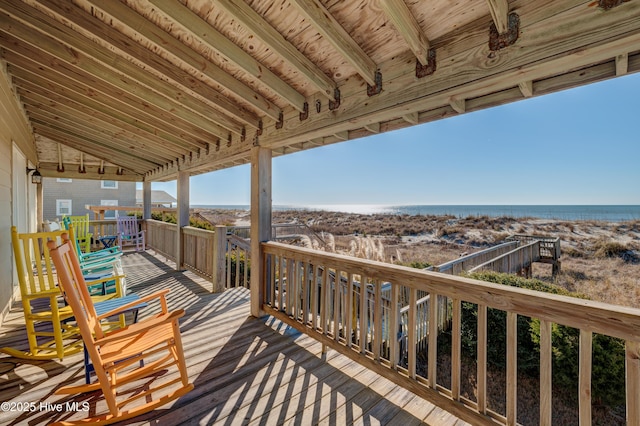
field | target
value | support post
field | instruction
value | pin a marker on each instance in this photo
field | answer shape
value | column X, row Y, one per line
column 260, row 222
column 183, row 216
column 219, row 257
column 39, row 206
column 146, row 200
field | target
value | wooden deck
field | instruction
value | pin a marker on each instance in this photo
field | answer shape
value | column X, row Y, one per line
column 245, row 370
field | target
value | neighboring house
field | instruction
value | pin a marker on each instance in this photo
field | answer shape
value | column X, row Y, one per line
column 63, row 196
column 158, row 199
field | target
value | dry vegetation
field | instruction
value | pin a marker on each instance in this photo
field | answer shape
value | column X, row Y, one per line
column 599, row 259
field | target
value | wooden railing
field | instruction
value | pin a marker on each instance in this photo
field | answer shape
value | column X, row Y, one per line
column 297, row 289
column 513, row 262
column 238, row 262
column 226, row 260
column 161, row 237
column 466, row 263
column 278, row 231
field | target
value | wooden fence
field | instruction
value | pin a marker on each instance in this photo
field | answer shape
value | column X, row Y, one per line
column 355, row 324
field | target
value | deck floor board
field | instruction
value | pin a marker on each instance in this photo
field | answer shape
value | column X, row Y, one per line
column 246, row 371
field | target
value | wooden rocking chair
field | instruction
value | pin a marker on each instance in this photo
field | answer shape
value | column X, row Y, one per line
column 81, row 227
column 50, row 331
column 115, row 355
column 129, row 233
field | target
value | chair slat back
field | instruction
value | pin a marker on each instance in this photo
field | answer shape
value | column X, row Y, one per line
column 74, row 288
column 80, row 225
column 33, row 260
column 127, row 225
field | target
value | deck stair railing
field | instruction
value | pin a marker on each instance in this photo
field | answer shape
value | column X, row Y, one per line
column 467, row 262
column 364, row 326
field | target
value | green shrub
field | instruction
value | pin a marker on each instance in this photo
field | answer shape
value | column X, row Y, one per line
column 608, row 375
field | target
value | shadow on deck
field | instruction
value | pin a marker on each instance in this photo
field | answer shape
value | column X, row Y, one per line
column 245, row 370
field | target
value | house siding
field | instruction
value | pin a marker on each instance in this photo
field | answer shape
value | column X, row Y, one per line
column 83, row 192
column 13, row 130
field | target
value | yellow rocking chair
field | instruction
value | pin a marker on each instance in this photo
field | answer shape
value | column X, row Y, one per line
column 116, row 355
column 51, row 333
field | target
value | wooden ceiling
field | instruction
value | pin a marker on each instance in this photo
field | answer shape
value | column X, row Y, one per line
column 141, row 89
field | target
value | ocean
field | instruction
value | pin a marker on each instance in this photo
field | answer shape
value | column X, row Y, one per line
column 609, row 213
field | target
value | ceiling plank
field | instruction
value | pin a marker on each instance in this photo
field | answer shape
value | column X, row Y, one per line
column 408, row 28
column 218, row 42
column 57, row 95
column 189, row 57
column 135, row 164
column 64, row 88
column 330, row 28
column 254, row 23
column 104, row 65
column 212, row 99
column 500, row 14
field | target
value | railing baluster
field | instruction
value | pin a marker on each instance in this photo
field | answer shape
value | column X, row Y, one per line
column 411, row 332
column 377, row 318
column 314, row 297
column 482, row 359
column 584, row 380
column 632, row 350
column 433, row 340
column 348, row 309
column 336, row 305
column 363, row 313
column 324, row 297
column 545, row 373
column 512, row 368
column 394, row 317
column 456, row 348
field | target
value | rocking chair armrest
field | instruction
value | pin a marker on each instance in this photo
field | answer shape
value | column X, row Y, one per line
column 157, row 295
column 136, row 328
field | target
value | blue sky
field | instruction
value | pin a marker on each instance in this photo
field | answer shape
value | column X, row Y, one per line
column 579, row 146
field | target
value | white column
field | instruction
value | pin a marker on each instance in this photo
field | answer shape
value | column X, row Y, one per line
column 260, row 221
column 182, row 216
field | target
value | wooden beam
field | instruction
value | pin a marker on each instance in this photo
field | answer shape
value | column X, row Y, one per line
column 225, row 47
column 329, row 28
column 255, row 24
column 408, row 28
column 622, row 64
column 499, row 13
column 189, row 56
column 343, row 136
column 526, row 87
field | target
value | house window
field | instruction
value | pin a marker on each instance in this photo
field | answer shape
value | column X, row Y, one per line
column 109, row 184
column 110, row 214
column 63, row 207
column 65, row 180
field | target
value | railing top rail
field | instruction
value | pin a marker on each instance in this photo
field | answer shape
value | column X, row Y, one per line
column 240, row 242
column 449, row 264
column 530, row 237
column 597, row 317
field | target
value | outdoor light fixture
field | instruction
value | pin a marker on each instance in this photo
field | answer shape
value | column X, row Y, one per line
column 36, row 177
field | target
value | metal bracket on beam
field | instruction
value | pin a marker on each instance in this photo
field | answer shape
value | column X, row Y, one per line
column 318, row 106
column 280, row 121
column 305, row 112
column 499, row 41
column 259, row 131
column 229, row 141
column 429, row 68
column 218, row 145
column 610, row 4
column 333, row 105
column 374, row 90
column 243, row 135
